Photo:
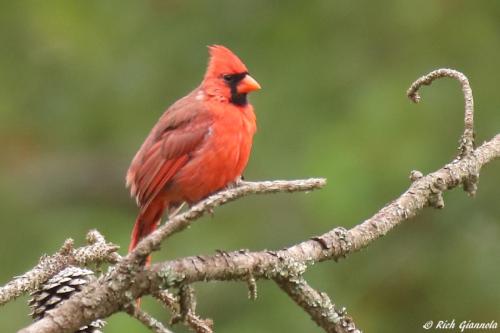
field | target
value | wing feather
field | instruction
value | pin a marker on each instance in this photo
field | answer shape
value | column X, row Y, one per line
column 177, row 135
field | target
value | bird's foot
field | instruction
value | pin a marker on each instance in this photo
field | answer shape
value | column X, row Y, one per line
column 211, row 212
column 176, row 210
column 237, row 182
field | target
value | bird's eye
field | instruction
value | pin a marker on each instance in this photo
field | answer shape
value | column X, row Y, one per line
column 228, row 77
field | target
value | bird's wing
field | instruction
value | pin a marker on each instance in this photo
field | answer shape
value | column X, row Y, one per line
column 179, row 132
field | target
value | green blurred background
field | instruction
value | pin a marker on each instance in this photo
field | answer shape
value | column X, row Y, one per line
column 82, row 82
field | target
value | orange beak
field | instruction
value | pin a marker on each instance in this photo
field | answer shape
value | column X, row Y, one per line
column 247, row 85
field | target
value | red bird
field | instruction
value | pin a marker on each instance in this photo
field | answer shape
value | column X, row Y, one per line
column 199, row 145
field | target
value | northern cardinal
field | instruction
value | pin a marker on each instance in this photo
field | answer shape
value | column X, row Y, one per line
column 199, row 145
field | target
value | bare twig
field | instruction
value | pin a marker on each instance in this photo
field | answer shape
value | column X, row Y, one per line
column 194, row 322
column 97, row 251
column 318, row 305
column 187, row 301
column 145, row 318
column 467, row 139
column 181, row 221
column 252, row 287
column 467, row 145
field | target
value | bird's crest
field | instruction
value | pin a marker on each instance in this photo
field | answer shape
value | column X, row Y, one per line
column 223, row 61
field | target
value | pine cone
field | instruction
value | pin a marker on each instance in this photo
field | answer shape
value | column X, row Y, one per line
column 58, row 289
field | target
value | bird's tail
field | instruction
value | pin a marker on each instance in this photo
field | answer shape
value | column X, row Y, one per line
column 147, row 221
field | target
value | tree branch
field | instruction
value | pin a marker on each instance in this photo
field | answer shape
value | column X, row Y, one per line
column 105, row 296
column 181, row 221
column 128, row 280
column 335, row 244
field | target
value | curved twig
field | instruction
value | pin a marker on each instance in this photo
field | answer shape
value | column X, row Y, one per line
column 466, row 145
